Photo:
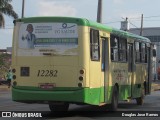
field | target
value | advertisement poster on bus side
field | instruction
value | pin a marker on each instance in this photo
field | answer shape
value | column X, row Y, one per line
column 48, row 38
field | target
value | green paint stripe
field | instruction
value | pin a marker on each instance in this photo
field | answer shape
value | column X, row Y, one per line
column 78, row 21
column 125, row 34
column 99, row 26
column 85, row 95
column 93, row 96
column 84, row 22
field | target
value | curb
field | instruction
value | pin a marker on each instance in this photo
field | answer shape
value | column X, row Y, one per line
column 155, row 87
column 4, row 88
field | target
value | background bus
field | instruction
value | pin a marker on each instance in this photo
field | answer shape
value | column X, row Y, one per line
column 63, row 60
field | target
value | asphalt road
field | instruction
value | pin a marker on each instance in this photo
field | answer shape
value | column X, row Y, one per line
column 152, row 103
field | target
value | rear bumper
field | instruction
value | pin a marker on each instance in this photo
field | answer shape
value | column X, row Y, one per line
column 84, row 95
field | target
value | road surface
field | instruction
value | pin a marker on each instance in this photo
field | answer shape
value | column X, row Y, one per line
column 86, row 112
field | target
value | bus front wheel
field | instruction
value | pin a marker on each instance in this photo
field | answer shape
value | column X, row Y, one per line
column 59, row 107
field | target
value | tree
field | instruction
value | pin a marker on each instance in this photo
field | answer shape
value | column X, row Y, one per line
column 5, row 63
column 6, row 9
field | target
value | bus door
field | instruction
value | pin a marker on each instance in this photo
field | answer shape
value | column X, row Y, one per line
column 149, row 70
column 105, row 66
column 130, row 67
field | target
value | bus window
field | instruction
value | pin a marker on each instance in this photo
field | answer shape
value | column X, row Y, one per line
column 118, row 48
column 154, row 52
column 94, row 43
column 137, row 51
column 122, row 49
column 143, row 53
column 114, row 48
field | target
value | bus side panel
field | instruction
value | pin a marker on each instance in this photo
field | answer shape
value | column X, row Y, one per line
column 140, row 76
column 15, row 44
column 119, row 75
column 84, row 54
column 95, row 78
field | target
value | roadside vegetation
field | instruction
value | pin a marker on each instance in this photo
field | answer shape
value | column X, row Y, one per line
column 5, row 63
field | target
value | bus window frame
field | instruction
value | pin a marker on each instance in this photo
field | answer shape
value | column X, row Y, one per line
column 137, row 51
column 143, row 52
column 145, row 61
column 93, row 45
column 122, row 41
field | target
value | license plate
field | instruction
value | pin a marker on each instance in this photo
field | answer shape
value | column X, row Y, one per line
column 47, row 85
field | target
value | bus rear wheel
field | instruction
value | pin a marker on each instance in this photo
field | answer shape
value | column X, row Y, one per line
column 55, row 108
column 140, row 100
column 114, row 102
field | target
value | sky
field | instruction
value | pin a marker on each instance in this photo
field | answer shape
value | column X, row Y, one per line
column 114, row 11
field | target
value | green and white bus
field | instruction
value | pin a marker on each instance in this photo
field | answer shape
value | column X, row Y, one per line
column 65, row 60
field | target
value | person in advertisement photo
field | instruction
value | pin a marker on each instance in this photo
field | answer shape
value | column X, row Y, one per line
column 30, row 37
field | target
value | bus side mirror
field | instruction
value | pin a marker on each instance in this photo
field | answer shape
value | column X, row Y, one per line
column 154, row 52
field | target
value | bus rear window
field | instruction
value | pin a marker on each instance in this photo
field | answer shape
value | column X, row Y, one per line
column 53, row 38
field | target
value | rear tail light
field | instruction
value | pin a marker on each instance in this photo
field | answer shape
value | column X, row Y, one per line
column 13, row 70
column 81, row 71
column 14, row 83
column 14, row 77
column 79, row 84
column 81, row 78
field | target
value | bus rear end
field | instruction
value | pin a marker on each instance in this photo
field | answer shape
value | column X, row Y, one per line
column 48, row 64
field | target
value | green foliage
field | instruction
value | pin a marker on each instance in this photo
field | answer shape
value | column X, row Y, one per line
column 4, row 64
column 6, row 9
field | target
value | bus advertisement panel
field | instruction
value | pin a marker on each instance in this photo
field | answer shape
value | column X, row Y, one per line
column 56, row 38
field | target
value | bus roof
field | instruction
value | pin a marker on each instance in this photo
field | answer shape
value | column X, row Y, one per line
column 84, row 22
column 118, row 32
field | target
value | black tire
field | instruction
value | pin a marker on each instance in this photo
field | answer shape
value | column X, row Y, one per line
column 59, row 108
column 114, row 102
column 140, row 100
